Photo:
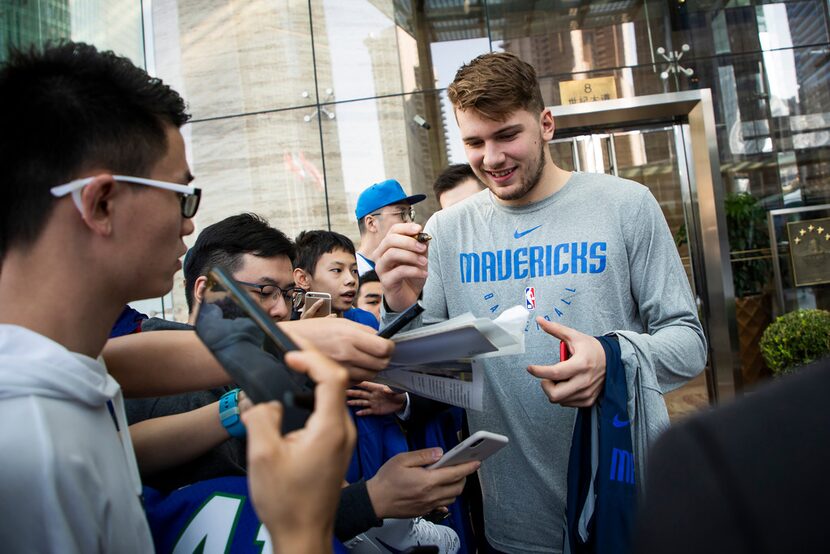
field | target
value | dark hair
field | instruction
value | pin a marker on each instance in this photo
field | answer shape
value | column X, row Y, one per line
column 224, row 243
column 496, row 85
column 370, row 276
column 453, row 176
column 311, row 245
column 66, row 109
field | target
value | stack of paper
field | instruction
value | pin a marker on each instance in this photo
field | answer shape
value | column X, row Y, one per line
column 438, row 361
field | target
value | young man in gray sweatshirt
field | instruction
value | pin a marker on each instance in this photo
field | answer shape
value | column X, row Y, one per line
column 588, row 254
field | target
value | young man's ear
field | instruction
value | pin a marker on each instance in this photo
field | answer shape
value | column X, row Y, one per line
column 547, row 123
column 302, row 278
column 96, row 203
column 199, row 289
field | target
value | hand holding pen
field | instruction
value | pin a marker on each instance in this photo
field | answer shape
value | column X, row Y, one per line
column 401, row 264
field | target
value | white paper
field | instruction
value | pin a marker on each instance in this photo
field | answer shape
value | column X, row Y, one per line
column 462, row 337
column 457, row 383
column 439, row 361
column 512, row 321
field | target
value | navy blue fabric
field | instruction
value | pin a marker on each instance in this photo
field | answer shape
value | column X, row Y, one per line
column 610, row 527
column 217, row 511
column 378, row 439
column 128, row 322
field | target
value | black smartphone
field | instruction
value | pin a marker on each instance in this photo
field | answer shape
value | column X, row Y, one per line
column 251, row 348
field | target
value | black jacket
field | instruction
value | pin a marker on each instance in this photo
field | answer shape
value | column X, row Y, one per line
column 750, row 477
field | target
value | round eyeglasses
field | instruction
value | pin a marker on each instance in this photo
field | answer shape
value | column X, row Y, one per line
column 405, row 214
column 268, row 294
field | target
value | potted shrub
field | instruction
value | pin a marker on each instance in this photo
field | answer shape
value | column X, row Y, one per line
column 795, row 339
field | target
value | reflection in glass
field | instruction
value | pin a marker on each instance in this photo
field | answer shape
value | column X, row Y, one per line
column 356, row 48
column 232, row 58
column 269, row 164
column 107, row 24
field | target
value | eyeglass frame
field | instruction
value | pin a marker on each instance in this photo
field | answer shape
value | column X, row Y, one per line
column 185, row 191
column 295, row 304
column 399, row 213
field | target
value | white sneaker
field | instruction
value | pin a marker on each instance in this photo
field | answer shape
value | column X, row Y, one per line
column 397, row 535
column 362, row 544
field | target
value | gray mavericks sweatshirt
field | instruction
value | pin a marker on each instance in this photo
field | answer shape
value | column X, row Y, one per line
column 596, row 256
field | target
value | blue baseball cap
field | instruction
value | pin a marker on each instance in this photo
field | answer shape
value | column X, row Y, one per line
column 383, row 194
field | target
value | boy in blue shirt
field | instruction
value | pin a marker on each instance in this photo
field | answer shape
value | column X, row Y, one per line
column 326, row 262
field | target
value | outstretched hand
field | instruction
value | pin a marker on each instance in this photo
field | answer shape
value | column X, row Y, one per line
column 351, row 344
column 578, row 381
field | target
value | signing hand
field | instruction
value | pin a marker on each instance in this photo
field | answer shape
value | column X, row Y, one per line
column 375, row 399
column 576, row 382
column 307, row 464
column 354, row 346
column 401, row 264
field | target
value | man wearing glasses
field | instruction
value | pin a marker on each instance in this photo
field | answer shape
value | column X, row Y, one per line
column 378, row 208
column 96, row 203
column 260, row 258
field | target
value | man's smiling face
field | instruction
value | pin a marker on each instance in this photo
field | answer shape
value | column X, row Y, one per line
column 507, row 156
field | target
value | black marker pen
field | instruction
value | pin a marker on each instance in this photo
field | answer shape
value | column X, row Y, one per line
column 401, row 321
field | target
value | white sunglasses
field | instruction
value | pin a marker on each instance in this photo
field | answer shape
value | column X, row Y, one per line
column 190, row 196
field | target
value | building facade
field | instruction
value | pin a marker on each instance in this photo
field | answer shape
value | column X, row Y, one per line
column 298, row 105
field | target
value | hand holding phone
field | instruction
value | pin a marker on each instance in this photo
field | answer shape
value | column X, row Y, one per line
column 477, row 447
column 317, row 304
column 251, row 348
column 564, row 353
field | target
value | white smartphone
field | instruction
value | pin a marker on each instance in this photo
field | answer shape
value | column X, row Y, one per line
column 312, row 298
column 478, row 446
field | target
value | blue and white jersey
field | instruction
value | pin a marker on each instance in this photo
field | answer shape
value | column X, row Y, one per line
column 215, row 515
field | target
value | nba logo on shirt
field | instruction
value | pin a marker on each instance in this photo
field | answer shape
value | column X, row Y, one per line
column 530, row 298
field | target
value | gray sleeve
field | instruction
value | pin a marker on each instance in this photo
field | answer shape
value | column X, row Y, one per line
column 673, row 334
column 435, row 303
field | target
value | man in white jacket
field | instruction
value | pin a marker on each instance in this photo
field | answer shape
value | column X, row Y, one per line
column 95, row 204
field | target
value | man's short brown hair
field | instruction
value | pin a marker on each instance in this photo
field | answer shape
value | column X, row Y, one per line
column 496, row 85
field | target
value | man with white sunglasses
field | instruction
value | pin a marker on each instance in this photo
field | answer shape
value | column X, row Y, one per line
column 96, row 204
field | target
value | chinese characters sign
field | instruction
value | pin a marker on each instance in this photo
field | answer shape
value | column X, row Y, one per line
column 810, row 251
column 588, row 90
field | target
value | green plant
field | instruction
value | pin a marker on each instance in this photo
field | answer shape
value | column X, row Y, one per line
column 795, row 339
column 745, row 223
